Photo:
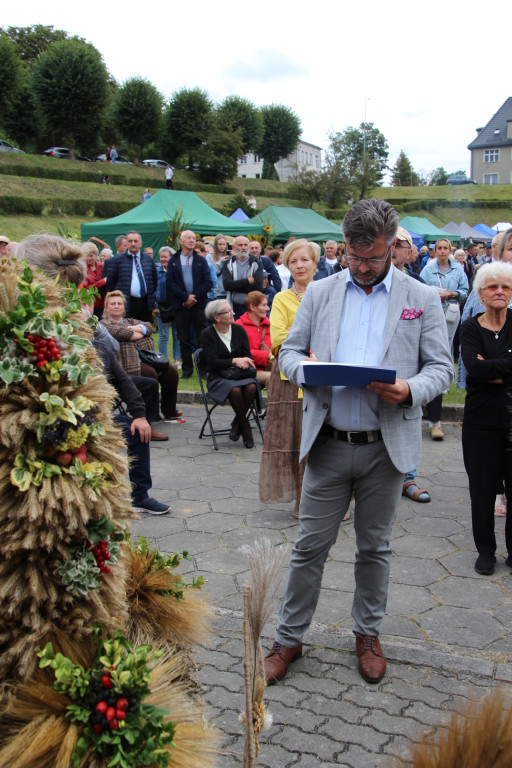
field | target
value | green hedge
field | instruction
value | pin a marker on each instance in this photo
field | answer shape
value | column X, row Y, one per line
column 266, row 193
column 70, row 206
column 105, row 209
column 335, row 213
column 18, row 204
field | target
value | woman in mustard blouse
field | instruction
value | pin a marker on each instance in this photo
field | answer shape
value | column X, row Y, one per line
column 280, row 470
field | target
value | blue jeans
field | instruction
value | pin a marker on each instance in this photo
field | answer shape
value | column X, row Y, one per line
column 163, row 339
column 139, row 469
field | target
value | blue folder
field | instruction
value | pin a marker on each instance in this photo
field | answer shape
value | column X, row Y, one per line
column 337, row 375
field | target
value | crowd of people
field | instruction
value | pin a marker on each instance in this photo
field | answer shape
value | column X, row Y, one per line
column 256, row 313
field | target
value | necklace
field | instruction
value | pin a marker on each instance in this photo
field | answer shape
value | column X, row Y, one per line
column 496, row 332
column 298, row 295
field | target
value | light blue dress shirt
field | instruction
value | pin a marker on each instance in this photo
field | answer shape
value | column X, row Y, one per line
column 360, row 342
column 135, row 290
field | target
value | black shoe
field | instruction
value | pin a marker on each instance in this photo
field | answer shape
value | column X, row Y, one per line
column 152, row 506
column 249, row 443
column 508, row 561
column 234, row 436
column 485, row 564
column 186, row 375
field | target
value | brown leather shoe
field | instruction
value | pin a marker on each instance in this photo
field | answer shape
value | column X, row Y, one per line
column 158, row 435
column 276, row 662
column 372, row 664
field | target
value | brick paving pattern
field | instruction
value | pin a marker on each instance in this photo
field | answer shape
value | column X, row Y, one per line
column 447, row 633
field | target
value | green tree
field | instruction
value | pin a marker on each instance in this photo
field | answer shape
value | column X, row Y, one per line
column 186, row 124
column 437, row 178
column 403, row 174
column 218, row 156
column 240, row 113
column 358, row 156
column 281, row 134
column 11, row 78
column 70, row 83
column 138, row 112
column 32, row 41
column 309, row 186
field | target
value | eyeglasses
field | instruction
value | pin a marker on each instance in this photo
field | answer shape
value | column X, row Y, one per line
column 401, row 247
column 355, row 261
column 495, row 287
column 227, row 312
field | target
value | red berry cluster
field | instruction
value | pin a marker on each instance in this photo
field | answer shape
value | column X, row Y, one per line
column 110, row 710
column 101, row 553
column 45, row 350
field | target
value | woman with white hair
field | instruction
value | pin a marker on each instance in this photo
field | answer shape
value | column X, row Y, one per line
column 486, row 348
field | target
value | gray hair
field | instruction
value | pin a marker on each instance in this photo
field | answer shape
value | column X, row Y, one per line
column 369, row 219
column 88, row 248
column 214, row 308
column 493, row 271
column 119, row 240
column 502, row 247
column 331, row 242
column 54, row 255
column 460, row 252
column 165, row 249
column 106, row 253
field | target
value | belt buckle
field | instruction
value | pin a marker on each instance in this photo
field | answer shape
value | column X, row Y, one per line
column 349, row 438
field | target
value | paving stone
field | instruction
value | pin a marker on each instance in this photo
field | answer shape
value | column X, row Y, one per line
column 415, row 571
column 306, row 743
column 424, row 546
column 236, row 506
column 422, row 526
column 205, row 493
column 181, row 541
column 454, row 591
column 427, row 715
column 461, row 625
column 248, row 535
column 212, row 522
column 222, row 560
column 401, row 627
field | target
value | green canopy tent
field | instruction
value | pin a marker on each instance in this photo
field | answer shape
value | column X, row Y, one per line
column 298, row 222
column 150, row 220
column 426, row 229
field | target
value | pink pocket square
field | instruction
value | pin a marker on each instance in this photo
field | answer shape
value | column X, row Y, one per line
column 411, row 314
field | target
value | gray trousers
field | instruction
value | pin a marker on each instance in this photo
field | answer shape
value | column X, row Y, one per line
column 334, row 469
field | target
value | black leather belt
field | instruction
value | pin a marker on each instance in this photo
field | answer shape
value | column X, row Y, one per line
column 354, row 438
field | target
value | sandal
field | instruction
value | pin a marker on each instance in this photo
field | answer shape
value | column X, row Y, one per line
column 412, row 491
column 500, row 508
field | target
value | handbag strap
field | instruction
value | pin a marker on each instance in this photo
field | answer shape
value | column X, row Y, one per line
column 262, row 343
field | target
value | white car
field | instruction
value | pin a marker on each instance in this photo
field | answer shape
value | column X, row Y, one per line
column 155, row 163
column 5, row 146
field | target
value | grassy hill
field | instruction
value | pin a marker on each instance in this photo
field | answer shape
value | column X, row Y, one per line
column 38, row 192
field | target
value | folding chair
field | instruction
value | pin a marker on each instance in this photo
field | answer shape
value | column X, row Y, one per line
column 210, row 405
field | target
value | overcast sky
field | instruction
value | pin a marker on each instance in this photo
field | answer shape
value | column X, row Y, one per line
column 427, row 73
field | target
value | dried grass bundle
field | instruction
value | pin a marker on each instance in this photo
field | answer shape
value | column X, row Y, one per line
column 34, row 730
column 157, row 617
column 478, row 736
column 40, row 525
column 265, row 562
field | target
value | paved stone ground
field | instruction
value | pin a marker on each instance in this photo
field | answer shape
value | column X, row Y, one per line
column 447, row 634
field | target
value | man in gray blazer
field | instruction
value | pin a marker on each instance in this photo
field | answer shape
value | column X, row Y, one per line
column 358, row 440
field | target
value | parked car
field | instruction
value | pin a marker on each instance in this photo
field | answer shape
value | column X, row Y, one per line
column 155, row 163
column 195, row 167
column 120, row 159
column 63, row 152
column 6, row 146
column 459, row 178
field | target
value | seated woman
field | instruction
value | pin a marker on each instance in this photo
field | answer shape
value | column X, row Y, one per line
column 257, row 327
column 132, row 335
column 225, row 348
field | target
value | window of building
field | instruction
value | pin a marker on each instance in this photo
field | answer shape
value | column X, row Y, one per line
column 491, row 156
column 243, row 159
column 490, row 178
column 257, row 175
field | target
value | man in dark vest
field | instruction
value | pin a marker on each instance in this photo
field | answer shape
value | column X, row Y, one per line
column 134, row 274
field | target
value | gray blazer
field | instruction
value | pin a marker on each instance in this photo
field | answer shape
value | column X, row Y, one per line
column 417, row 349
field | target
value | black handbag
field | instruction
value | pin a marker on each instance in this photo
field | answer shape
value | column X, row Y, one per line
column 165, row 312
column 234, row 373
column 154, row 358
